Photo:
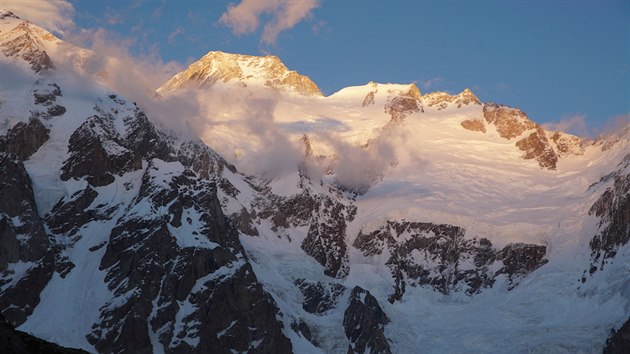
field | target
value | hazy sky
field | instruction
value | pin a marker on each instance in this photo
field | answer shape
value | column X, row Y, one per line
column 559, row 61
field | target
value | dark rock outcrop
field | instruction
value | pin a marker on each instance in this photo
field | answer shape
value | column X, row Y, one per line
column 440, row 257
column 613, row 209
column 97, row 152
column 567, row 144
column 19, row 218
column 364, row 323
column 512, row 123
column 196, row 292
column 536, row 146
column 144, row 139
column 22, row 240
column 619, row 341
column 325, row 240
column 201, row 159
column 401, row 106
column 244, row 222
column 401, row 103
column 70, row 214
column 326, row 218
column 16, row 342
column 56, row 110
column 319, row 297
column 474, row 125
column 10, row 341
column 368, row 100
column 47, row 95
column 300, row 327
column 24, row 139
column 509, row 122
column 441, row 100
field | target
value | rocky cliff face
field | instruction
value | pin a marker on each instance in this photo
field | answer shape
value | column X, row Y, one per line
column 243, row 70
column 532, row 139
column 16, row 342
column 27, row 255
column 439, row 256
column 170, row 278
column 24, row 138
column 403, row 103
column 619, row 341
column 613, row 210
column 364, row 323
column 326, row 218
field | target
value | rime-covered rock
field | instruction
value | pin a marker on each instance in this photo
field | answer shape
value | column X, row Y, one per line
column 440, row 257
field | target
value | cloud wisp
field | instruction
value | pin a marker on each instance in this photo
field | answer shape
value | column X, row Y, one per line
column 56, row 16
column 574, row 124
column 245, row 18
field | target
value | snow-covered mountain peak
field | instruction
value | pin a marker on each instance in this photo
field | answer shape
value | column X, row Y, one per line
column 21, row 39
column 242, row 70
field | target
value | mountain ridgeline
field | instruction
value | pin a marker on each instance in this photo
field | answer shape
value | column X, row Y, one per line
column 471, row 227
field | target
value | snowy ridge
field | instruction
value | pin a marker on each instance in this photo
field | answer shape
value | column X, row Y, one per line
column 241, row 70
column 36, row 47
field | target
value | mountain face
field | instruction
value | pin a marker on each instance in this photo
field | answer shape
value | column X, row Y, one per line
column 26, row 42
column 241, row 70
column 410, row 220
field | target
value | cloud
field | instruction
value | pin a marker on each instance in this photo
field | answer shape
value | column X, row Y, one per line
column 157, row 13
column 134, row 76
column 241, row 127
column 321, row 27
column 56, row 16
column 245, row 17
column 575, row 124
column 113, row 17
column 431, row 83
column 618, row 124
column 502, row 87
column 178, row 31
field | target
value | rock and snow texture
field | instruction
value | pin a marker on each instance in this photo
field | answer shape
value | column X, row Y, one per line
column 410, row 221
column 440, row 257
column 241, row 70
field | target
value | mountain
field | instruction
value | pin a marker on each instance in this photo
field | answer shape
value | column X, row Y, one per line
column 386, row 220
column 30, row 45
column 241, row 70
